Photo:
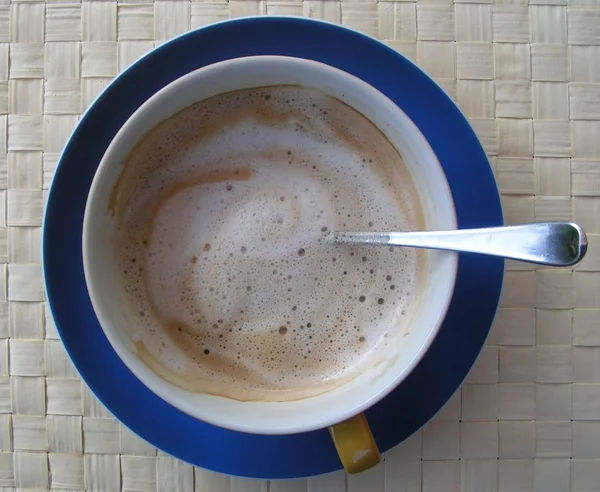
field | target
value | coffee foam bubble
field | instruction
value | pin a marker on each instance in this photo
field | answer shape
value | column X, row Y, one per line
column 222, row 214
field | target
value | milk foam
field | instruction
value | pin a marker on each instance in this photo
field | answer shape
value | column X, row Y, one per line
column 222, row 216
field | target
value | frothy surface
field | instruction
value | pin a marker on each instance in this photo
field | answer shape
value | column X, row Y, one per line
column 221, row 217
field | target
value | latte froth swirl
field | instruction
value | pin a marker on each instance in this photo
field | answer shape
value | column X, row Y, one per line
column 222, row 213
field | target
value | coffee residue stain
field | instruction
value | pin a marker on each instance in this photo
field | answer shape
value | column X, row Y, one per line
column 268, row 394
column 113, row 199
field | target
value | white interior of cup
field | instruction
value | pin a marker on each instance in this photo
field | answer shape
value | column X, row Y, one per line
column 438, row 208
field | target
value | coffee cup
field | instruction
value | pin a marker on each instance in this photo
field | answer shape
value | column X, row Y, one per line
column 225, row 391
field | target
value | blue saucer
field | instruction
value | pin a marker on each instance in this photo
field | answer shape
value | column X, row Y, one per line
column 454, row 350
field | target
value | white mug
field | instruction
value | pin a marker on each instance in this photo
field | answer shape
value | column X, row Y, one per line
column 340, row 408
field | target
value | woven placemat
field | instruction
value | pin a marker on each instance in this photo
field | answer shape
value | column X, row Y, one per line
column 526, row 73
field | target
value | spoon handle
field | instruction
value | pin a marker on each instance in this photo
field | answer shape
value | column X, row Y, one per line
column 551, row 243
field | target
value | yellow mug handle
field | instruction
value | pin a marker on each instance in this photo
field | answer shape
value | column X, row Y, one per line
column 355, row 444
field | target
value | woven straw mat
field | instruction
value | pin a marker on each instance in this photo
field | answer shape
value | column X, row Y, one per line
column 526, row 73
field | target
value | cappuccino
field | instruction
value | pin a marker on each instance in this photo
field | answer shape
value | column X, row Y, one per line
column 229, row 282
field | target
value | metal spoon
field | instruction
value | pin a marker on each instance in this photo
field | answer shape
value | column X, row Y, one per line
column 552, row 243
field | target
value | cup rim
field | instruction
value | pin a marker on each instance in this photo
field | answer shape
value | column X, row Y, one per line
column 124, row 354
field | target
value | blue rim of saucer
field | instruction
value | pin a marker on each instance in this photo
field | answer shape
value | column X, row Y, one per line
column 458, row 342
